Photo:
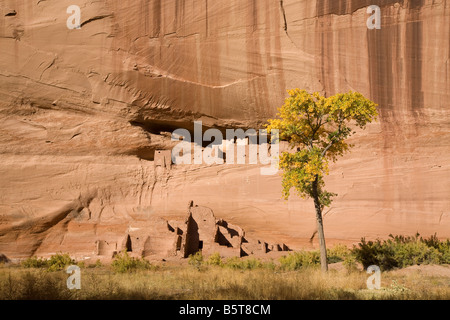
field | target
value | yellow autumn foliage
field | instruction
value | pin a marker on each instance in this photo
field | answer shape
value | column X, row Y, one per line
column 318, row 127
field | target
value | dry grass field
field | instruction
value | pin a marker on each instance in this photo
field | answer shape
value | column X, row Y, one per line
column 185, row 282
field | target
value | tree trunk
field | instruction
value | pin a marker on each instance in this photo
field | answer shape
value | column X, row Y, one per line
column 320, row 232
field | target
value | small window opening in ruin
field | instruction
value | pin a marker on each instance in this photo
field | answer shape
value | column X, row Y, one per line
column 179, row 243
column 200, row 245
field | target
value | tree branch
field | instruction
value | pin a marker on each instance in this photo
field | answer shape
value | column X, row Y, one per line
column 327, row 148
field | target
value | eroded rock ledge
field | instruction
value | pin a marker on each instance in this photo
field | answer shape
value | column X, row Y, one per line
column 82, row 113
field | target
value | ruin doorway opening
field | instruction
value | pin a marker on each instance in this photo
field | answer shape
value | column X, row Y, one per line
column 192, row 238
column 128, row 244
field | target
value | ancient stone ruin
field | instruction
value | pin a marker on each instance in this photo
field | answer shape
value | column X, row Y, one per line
column 201, row 231
column 163, row 158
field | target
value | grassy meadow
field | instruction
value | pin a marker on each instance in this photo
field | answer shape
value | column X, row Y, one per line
column 296, row 276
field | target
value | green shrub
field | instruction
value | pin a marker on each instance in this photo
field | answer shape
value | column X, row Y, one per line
column 215, row 260
column 338, row 253
column 123, row 263
column 270, row 265
column 235, row 263
column 297, row 260
column 252, row 263
column 443, row 247
column 34, row 262
column 401, row 251
column 196, row 260
column 416, row 253
column 243, row 264
column 59, row 262
column 97, row 264
column 375, row 253
column 301, row 259
column 350, row 263
column 446, row 256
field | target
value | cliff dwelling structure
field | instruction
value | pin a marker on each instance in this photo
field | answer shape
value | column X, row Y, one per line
column 200, row 231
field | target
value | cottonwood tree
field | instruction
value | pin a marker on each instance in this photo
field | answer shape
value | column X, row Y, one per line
column 318, row 128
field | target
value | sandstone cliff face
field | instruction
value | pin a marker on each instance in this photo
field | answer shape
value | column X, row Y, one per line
column 83, row 111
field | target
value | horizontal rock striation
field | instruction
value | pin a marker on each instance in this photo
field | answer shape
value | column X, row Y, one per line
column 83, row 112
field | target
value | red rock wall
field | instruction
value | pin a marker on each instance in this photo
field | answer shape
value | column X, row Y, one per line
column 78, row 109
